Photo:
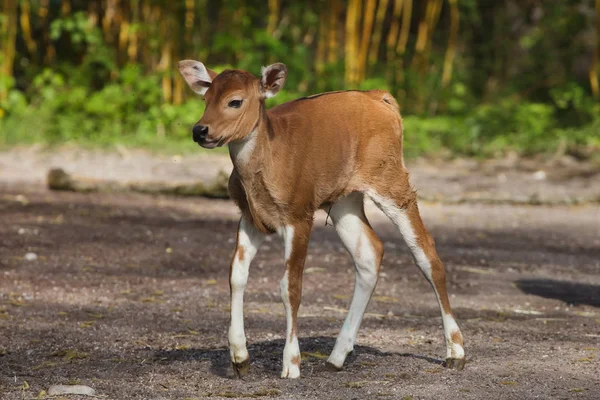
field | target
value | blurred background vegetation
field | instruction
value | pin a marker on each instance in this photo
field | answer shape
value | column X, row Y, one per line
column 473, row 77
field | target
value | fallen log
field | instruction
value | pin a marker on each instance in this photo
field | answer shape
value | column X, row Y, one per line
column 58, row 179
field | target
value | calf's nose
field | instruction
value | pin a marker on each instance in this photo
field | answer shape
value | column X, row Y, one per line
column 199, row 133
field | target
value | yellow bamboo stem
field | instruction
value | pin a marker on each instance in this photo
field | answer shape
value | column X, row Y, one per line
column 425, row 34
column 368, row 20
column 394, row 28
column 189, row 20
column 65, row 7
column 401, row 46
column 594, row 68
column 406, row 18
column 376, row 40
column 164, row 64
column 132, row 49
column 123, row 36
column 9, row 37
column 351, row 44
column 322, row 44
column 273, row 16
column 93, row 13
column 332, row 38
column 450, row 52
column 178, row 89
column 423, row 28
column 189, row 14
column 434, row 17
column 109, row 16
column 26, row 27
column 43, row 11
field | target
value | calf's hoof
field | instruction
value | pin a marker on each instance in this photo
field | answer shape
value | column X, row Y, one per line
column 455, row 363
column 332, row 367
column 241, row 369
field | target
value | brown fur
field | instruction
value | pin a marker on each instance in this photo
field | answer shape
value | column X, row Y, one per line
column 279, row 185
column 295, row 269
column 457, row 338
column 296, row 360
column 374, row 239
column 438, row 272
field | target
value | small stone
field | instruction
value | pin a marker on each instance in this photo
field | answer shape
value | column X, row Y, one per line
column 539, row 175
column 30, row 256
column 57, row 390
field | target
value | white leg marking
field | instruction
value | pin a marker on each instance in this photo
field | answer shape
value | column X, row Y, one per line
column 347, row 215
column 249, row 240
column 400, row 218
column 291, row 351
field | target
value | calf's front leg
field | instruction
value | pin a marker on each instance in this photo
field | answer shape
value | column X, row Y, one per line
column 248, row 241
column 296, row 237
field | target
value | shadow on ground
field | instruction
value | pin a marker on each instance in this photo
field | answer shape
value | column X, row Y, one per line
column 570, row 292
column 266, row 356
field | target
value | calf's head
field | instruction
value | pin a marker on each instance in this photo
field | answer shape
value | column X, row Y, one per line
column 234, row 100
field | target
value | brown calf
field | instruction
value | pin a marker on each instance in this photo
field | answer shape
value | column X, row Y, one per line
column 323, row 151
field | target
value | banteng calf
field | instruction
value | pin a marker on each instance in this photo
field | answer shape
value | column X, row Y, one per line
column 324, row 151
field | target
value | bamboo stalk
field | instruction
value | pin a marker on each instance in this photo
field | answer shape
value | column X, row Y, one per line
column 65, row 7
column 107, row 21
column 406, row 19
column 273, row 16
column 132, row 49
column 594, row 68
column 394, row 28
column 450, row 52
column 9, row 37
column 425, row 34
column 401, row 47
column 332, row 38
column 205, row 25
column 123, row 37
column 189, row 20
column 351, row 41
column 26, row 27
column 43, row 14
column 165, row 62
column 146, row 14
column 368, row 20
column 93, row 13
column 423, row 29
column 376, row 40
column 321, row 45
column 43, row 10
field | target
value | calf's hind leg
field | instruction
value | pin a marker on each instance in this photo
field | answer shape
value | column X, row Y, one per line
column 401, row 207
column 366, row 250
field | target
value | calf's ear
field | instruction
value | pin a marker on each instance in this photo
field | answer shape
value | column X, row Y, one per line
column 273, row 79
column 197, row 76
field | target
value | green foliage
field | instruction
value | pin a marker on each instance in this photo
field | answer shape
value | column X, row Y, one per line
column 493, row 130
column 520, row 80
column 129, row 110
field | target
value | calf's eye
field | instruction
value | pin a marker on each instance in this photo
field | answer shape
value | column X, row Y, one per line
column 235, row 103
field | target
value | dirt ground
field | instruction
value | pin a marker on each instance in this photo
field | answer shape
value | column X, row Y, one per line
column 129, row 295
